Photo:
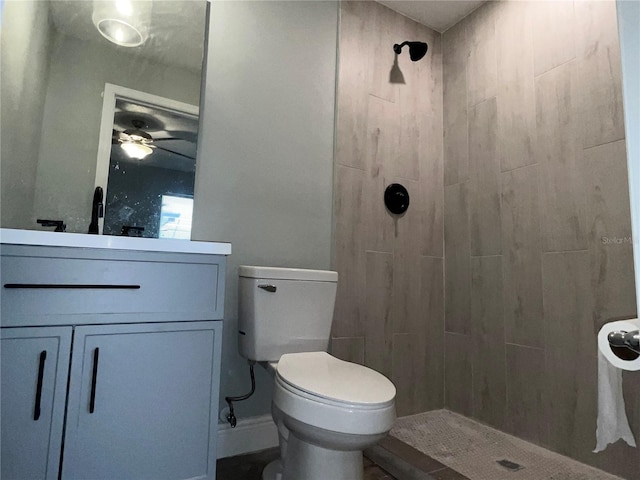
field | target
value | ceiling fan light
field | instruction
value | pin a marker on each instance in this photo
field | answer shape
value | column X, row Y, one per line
column 136, row 150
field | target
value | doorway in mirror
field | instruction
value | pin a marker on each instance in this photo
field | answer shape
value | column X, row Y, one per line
column 146, row 164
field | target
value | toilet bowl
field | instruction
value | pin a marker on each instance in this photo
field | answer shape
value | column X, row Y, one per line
column 327, row 411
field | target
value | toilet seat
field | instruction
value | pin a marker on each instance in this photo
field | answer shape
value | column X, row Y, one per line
column 330, row 379
column 322, row 391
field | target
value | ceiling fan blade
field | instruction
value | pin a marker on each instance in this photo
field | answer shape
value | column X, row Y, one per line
column 116, row 136
column 175, row 153
column 120, row 134
column 186, row 135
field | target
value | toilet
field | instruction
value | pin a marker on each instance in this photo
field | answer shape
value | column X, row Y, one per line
column 327, row 410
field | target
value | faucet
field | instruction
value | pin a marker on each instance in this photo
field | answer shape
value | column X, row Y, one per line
column 131, row 231
column 97, row 211
column 59, row 224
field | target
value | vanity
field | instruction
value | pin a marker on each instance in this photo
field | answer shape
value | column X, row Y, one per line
column 110, row 356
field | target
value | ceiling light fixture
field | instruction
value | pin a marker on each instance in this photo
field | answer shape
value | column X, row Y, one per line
column 136, row 150
column 123, row 22
column 136, row 142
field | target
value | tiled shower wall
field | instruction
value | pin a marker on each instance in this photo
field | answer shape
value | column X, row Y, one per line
column 390, row 303
column 536, row 216
column 537, row 223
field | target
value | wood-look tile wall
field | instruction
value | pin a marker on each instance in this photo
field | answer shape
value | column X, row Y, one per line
column 515, row 249
column 536, row 218
column 390, row 303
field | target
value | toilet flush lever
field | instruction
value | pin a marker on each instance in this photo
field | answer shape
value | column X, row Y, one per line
column 268, row 288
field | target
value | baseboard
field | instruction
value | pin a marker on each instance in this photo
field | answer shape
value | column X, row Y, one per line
column 250, row 435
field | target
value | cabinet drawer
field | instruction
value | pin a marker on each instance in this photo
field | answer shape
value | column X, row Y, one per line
column 40, row 286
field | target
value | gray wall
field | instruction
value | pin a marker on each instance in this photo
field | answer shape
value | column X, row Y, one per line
column 264, row 172
column 390, row 304
column 536, row 217
column 72, row 113
column 25, row 46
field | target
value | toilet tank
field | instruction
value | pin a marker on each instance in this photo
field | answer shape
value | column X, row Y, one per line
column 284, row 310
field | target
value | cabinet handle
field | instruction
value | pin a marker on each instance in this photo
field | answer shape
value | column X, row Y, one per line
column 36, row 409
column 70, row 286
column 94, row 378
column 269, row 288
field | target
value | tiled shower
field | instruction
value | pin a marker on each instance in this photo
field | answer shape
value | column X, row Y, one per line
column 485, row 298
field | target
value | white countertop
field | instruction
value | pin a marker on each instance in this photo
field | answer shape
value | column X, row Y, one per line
column 81, row 240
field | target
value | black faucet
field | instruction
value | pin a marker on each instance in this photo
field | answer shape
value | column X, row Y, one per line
column 59, row 224
column 131, row 231
column 97, row 210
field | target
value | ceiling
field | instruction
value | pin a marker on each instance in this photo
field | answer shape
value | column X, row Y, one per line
column 436, row 14
column 177, row 26
column 176, row 31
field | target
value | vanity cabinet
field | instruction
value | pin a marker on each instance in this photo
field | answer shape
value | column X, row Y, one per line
column 140, row 402
column 33, row 373
column 110, row 361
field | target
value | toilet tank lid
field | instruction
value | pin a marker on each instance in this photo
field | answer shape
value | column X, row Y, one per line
column 276, row 273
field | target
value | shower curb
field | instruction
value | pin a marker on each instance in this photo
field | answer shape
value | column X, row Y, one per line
column 395, row 465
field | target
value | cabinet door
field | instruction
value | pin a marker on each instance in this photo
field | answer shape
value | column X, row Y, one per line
column 35, row 365
column 143, row 402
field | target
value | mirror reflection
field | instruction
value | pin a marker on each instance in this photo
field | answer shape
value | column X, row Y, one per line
column 59, row 59
column 151, row 170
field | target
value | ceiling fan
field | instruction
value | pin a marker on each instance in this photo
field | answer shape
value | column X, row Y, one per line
column 138, row 144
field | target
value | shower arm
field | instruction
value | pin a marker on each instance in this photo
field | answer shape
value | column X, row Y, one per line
column 398, row 48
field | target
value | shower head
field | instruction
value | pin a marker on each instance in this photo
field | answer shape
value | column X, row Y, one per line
column 417, row 50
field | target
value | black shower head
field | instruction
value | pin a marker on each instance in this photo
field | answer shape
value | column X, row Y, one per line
column 417, row 50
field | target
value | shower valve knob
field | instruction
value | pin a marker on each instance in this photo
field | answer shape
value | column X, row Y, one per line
column 396, row 198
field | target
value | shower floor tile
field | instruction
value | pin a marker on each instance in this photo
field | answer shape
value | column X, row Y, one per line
column 474, row 450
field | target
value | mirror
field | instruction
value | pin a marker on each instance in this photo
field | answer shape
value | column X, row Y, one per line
column 56, row 74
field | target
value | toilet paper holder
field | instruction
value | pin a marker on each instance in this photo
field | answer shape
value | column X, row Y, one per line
column 631, row 340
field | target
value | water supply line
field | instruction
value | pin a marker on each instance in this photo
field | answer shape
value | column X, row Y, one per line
column 231, row 418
